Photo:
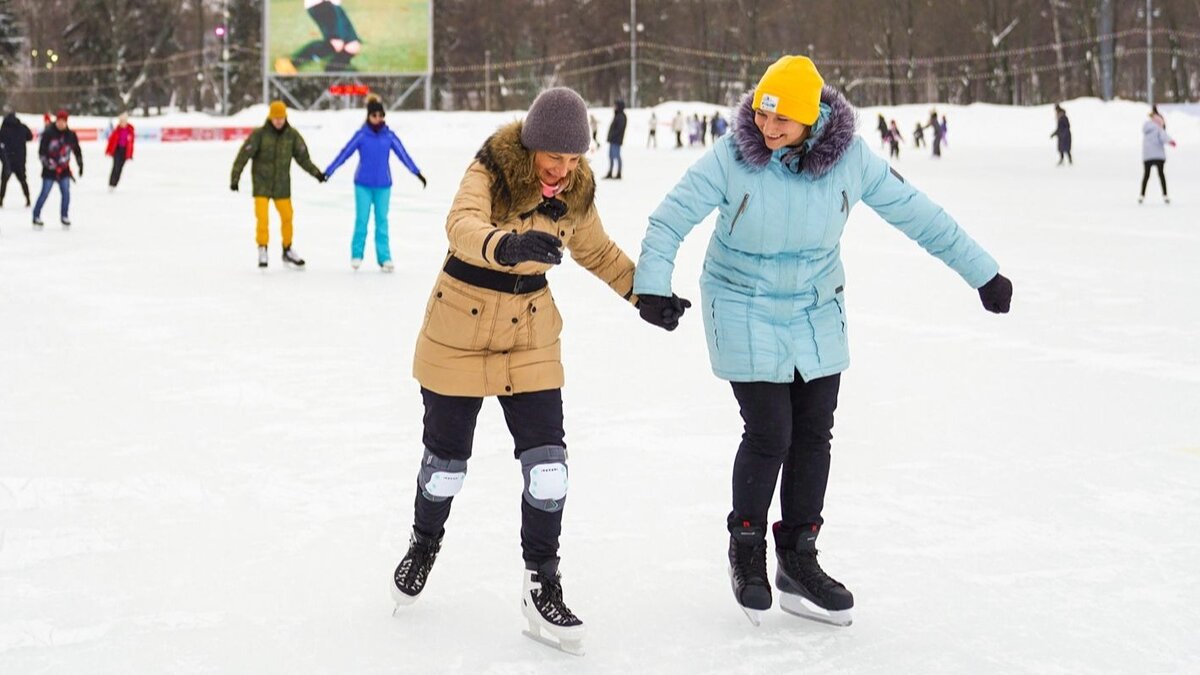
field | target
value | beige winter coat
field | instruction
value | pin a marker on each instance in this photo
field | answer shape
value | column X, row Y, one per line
column 479, row 342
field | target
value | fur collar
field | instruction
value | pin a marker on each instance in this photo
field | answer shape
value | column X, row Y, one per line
column 516, row 188
column 831, row 136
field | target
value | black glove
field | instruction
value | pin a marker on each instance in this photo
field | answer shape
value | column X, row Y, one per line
column 422, row 179
column 81, row 171
column 322, row 178
column 233, row 186
column 532, row 245
column 662, row 311
column 996, row 294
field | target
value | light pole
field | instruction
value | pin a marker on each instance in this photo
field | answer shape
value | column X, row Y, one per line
column 225, row 60
column 1149, row 54
column 633, row 28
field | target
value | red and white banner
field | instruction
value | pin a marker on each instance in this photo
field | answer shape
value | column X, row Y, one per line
column 182, row 134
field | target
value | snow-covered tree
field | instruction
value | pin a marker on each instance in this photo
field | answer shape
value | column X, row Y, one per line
column 10, row 46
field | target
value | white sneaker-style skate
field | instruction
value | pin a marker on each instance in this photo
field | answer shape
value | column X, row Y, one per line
column 387, row 266
column 544, row 609
column 262, row 256
column 292, row 259
column 356, row 263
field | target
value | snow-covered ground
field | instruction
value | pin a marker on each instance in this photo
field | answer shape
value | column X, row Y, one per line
column 207, row 468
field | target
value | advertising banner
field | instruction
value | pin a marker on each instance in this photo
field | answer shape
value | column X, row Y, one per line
column 363, row 37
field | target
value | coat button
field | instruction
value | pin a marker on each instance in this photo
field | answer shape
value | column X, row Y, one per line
column 507, row 388
column 562, row 233
column 504, row 352
column 514, row 319
column 474, row 311
column 532, row 308
column 439, row 294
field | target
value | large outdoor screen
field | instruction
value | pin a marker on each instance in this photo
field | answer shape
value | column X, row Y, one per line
column 378, row 37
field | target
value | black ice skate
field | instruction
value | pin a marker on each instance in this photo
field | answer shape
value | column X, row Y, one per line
column 38, row 223
column 412, row 572
column 543, row 606
column 262, row 256
column 66, row 223
column 292, row 259
column 805, row 589
column 748, row 570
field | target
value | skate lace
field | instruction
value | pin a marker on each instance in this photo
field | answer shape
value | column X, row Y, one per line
column 550, row 603
column 809, row 572
column 414, row 569
column 751, row 564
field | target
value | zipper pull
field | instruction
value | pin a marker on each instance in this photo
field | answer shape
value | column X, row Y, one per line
column 845, row 202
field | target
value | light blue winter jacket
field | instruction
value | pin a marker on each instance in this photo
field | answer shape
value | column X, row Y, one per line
column 374, row 149
column 773, row 286
column 1154, row 141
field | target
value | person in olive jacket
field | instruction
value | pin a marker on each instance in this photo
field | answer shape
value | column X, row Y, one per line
column 492, row 329
column 271, row 149
column 13, row 137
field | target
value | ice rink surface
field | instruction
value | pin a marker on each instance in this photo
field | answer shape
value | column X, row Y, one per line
column 208, row 468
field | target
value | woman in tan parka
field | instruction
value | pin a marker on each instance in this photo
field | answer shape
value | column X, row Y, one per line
column 492, row 329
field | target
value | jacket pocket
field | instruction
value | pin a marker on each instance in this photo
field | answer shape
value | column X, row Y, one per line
column 455, row 319
column 740, row 211
column 545, row 322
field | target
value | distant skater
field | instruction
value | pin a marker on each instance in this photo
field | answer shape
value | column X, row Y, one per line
column 120, row 148
column 1063, row 133
column 1154, row 153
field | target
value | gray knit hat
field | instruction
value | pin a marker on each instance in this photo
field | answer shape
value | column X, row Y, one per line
column 557, row 122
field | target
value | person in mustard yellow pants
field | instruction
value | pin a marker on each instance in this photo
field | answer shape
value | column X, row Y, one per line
column 271, row 149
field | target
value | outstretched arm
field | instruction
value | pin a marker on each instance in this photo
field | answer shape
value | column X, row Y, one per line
column 402, row 155
column 920, row 219
column 344, row 155
column 248, row 150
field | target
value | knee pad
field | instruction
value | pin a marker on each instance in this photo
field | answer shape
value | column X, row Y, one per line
column 545, row 471
column 440, row 479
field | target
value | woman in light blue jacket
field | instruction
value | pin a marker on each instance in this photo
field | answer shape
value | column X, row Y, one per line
column 374, row 143
column 773, row 303
column 1154, row 152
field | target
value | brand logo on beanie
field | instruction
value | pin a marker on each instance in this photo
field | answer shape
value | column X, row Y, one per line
column 770, row 102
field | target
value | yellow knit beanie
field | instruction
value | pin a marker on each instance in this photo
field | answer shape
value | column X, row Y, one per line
column 791, row 87
column 277, row 109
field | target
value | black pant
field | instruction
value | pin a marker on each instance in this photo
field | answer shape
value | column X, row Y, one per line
column 118, row 164
column 788, row 425
column 1146, row 174
column 534, row 419
column 19, row 172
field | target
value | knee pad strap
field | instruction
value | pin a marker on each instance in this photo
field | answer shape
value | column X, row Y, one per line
column 545, row 471
column 440, row 479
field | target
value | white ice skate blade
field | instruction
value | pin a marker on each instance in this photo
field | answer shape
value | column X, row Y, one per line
column 755, row 615
column 567, row 645
column 798, row 605
column 401, row 599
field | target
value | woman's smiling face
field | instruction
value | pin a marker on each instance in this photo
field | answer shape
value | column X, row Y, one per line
column 779, row 131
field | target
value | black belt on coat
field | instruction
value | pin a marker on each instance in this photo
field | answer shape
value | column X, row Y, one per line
column 494, row 279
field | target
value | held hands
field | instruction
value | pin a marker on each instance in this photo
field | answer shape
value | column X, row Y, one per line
column 996, row 294
column 529, row 246
column 662, row 311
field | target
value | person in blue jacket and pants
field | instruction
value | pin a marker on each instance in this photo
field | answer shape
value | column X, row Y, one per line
column 773, row 295
column 374, row 143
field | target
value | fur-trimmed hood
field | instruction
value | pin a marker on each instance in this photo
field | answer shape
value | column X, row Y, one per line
column 828, row 141
column 516, row 187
